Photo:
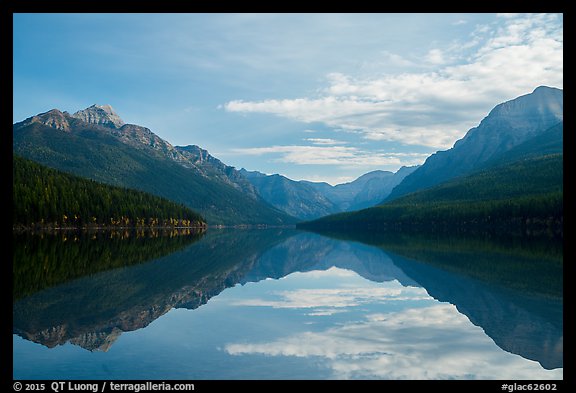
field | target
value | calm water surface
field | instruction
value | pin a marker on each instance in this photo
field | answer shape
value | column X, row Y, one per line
column 284, row 304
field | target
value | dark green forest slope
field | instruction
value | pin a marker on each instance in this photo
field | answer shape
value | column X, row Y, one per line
column 54, row 257
column 49, row 198
column 525, row 195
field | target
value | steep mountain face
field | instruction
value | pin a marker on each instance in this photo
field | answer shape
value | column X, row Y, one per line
column 508, row 125
column 549, row 142
column 376, row 186
column 142, row 138
column 95, row 143
column 212, row 167
column 53, row 119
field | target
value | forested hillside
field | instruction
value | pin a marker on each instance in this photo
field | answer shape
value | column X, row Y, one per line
column 134, row 157
column 526, row 195
column 49, row 198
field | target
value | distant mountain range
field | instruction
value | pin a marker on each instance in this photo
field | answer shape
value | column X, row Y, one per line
column 507, row 172
column 368, row 190
column 96, row 143
column 308, row 200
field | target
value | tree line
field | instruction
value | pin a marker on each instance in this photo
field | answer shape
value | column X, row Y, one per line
column 45, row 197
column 541, row 213
column 522, row 197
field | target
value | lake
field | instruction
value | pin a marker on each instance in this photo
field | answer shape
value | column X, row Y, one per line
column 285, row 304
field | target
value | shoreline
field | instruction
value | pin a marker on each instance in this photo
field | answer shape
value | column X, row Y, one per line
column 24, row 228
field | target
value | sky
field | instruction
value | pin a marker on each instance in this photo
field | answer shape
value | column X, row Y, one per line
column 319, row 97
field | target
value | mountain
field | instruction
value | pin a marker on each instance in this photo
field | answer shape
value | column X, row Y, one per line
column 91, row 143
column 367, row 190
column 522, row 196
column 506, row 126
column 374, row 186
column 344, row 195
column 100, row 114
column 295, row 198
column 309, row 200
column 212, row 167
column 548, row 142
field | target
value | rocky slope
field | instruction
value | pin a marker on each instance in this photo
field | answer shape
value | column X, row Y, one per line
column 100, row 114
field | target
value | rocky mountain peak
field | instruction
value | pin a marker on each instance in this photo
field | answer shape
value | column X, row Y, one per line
column 53, row 118
column 197, row 152
column 514, row 121
column 100, row 114
column 543, row 107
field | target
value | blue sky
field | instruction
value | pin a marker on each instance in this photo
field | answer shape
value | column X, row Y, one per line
column 322, row 97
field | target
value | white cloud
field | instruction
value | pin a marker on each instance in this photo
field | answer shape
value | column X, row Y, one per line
column 344, row 296
column 333, row 273
column 333, row 180
column 336, row 298
column 512, row 56
column 460, row 22
column 435, row 342
column 323, row 312
column 324, row 141
column 325, row 154
column 396, row 60
column 435, row 56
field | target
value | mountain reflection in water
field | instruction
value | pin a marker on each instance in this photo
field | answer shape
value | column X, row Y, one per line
column 93, row 310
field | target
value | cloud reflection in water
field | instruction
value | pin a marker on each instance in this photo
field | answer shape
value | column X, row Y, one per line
column 425, row 339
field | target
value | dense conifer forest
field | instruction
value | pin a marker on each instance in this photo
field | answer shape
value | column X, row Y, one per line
column 45, row 197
